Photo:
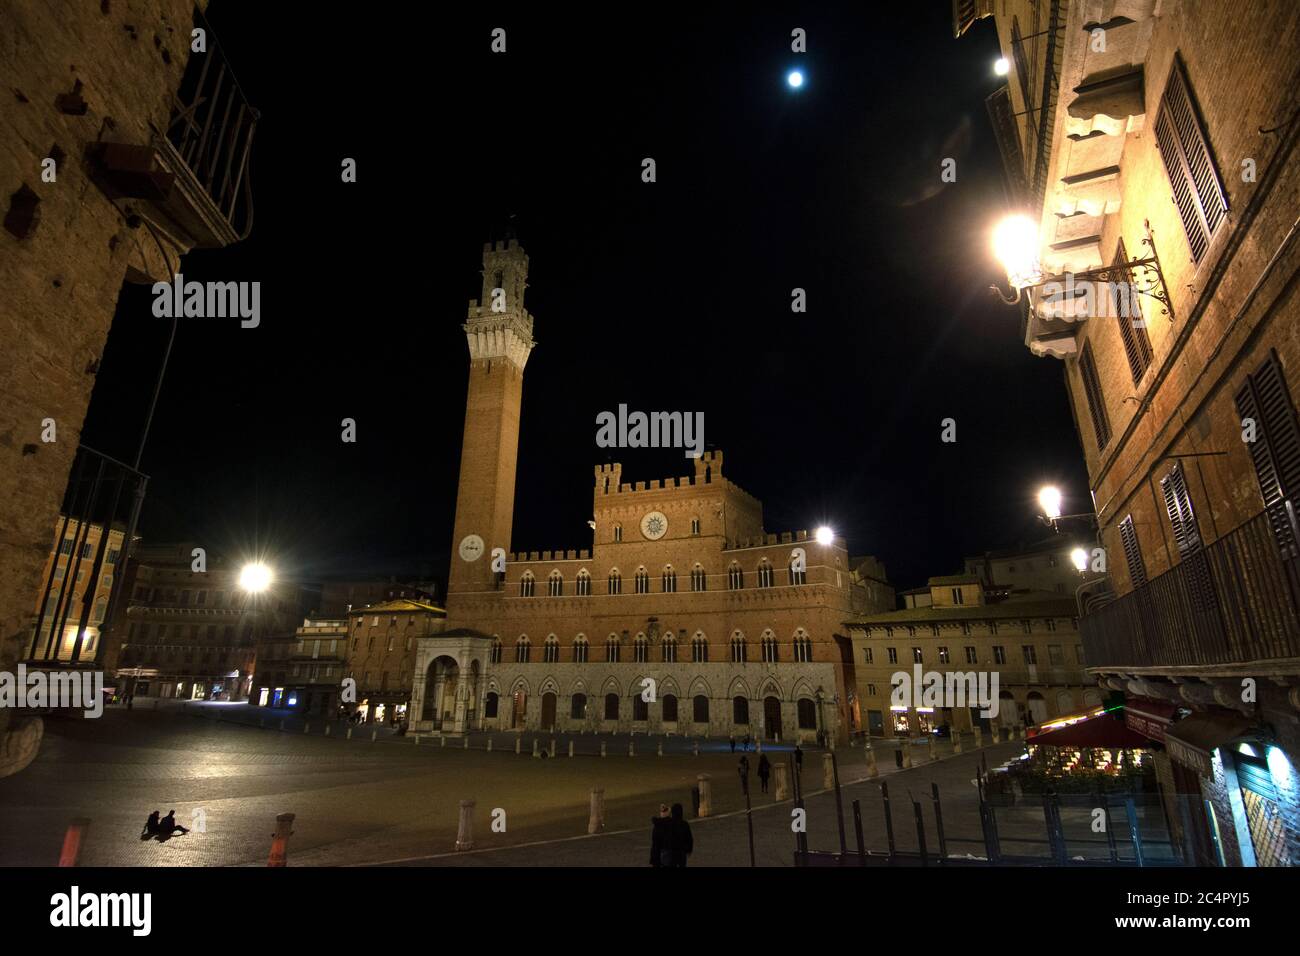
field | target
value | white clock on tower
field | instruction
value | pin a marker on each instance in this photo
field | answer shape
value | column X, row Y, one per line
column 654, row 525
column 471, row 547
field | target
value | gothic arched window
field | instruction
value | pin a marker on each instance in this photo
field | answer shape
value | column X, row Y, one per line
column 697, row 578
column 555, row 584
column 526, row 584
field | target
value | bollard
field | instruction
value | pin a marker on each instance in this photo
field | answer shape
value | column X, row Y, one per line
column 828, row 772
column 596, row 822
column 306, row 727
column 997, row 734
column 72, row 840
column 489, row 745
column 442, row 741
column 872, row 769
column 349, row 733
column 758, row 747
column 466, row 739
column 782, row 782
column 1020, row 731
column 697, row 748
column 956, row 741
column 934, row 748
column 661, row 748
column 374, row 735
column 570, row 748
column 979, row 737
column 536, row 752
column 602, row 748
column 282, row 723
column 465, row 829
column 416, row 736
column 907, row 754
column 280, row 840
column 631, row 748
column 552, row 746
column 517, row 740
column 706, row 795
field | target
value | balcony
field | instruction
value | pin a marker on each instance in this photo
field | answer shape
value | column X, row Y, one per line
column 1235, row 602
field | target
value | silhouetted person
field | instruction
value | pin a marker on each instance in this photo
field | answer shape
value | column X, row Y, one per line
column 661, row 838
column 168, row 825
column 798, row 758
column 746, row 743
column 764, row 771
column 150, row 827
column 733, row 743
column 680, row 841
column 744, row 767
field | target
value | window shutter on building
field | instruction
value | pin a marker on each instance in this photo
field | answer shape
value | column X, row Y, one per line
column 1185, row 150
column 1092, row 390
column 1137, row 570
column 1275, row 451
column 1187, row 537
column 1132, row 326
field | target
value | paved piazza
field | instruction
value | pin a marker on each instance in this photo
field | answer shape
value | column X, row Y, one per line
column 393, row 801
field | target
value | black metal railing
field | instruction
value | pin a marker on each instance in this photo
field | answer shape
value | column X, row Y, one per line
column 212, row 127
column 1235, row 601
column 102, row 500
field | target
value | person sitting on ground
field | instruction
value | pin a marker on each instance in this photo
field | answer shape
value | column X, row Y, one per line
column 168, row 825
column 150, row 826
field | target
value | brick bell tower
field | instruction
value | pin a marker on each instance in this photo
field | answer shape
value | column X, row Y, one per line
column 500, row 335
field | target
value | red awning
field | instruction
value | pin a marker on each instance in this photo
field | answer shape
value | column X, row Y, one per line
column 1102, row 731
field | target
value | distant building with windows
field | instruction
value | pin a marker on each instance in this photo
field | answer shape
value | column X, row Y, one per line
column 684, row 616
column 380, row 653
column 973, row 623
column 302, row 671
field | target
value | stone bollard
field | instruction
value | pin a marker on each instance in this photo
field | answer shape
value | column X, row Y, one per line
column 442, row 741
column 280, row 840
column 872, row 769
column 907, row 754
column 631, row 748
column 349, row 733
column 282, row 723
column 536, row 752
column 997, row 734
column 596, row 822
column 570, row 748
column 602, row 748
column 697, row 748
column 706, row 795
column 327, row 730
column 956, row 741
column 489, row 747
column 417, row 739
column 979, row 736
column 72, row 840
column 934, row 749
column 828, row 771
column 1020, row 731
column 782, row 782
column 552, row 746
column 374, row 735
column 306, row 727
column 660, row 751
column 465, row 829
column 517, row 744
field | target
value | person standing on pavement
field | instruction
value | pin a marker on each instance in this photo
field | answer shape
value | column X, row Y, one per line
column 661, row 838
column 798, row 758
column 732, row 738
column 764, row 771
column 680, row 842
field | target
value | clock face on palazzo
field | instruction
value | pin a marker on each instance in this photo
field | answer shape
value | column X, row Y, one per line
column 471, row 547
column 654, row 525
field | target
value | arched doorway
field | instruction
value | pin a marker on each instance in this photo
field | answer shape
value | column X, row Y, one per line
column 771, row 717
column 519, row 709
column 1007, row 711
column 1037, row 707
column 440, row 692
column 548, row 711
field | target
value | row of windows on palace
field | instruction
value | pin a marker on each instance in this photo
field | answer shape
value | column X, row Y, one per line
column 967, row 628
column 1029, row 652
column 805, row 709
column 668, row 580
column 769, row 650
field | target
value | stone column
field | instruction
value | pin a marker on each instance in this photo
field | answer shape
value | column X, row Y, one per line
column 782, row 788
column 828, row 771
column 596, row 822
column 872, row 769
column 465, row 830
column 934, row 748
column 706, row 795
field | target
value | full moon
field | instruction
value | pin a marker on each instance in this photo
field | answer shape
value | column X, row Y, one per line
column 795, row 79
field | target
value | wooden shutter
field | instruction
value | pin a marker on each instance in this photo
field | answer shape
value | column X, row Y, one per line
column 1180, row 136
column 1275, row 451
column 1132, row 326
column 1092, row 390
column 1187, row 537
column 1137, row 570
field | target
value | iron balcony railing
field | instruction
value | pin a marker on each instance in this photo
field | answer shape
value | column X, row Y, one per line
column 1235, row 601
column 211, row 129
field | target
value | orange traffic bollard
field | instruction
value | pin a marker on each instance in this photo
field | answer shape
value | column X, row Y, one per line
column 72, row 841
column 280, row 840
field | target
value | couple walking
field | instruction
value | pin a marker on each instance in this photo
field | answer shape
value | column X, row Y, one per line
column 670, row 837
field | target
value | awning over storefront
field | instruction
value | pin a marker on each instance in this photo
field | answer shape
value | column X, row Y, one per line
column 1149, row 717
column 1101, row 731
column 1193, row 740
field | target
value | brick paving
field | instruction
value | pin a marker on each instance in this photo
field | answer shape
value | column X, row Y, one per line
column 393, row 800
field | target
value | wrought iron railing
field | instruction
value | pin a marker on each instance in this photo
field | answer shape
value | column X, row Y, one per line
column 103, row 498
column 1235, row 601
column 212, row 127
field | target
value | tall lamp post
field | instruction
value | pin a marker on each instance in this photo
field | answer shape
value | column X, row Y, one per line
column 254, row 579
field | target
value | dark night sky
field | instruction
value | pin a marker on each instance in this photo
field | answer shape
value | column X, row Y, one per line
column 669, row 296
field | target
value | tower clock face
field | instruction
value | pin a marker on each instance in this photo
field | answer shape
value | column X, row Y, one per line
column 654, row 525
column 471, row 547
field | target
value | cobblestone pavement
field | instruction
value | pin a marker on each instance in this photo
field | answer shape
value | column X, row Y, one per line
column 396, row 801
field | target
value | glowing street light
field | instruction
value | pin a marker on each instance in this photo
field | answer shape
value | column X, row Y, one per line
column 1080, row 559
column 1002, row 66
column 795, row 79
column 255, row 577
column 1015, row 244
column 825, row 536
column 1049, row 499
